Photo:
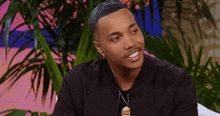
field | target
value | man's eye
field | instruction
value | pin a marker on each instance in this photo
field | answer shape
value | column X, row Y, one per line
column 134, row 31
column 115, row 39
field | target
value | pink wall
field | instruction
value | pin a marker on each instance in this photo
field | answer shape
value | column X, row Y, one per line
column 18, row 19
column 16, row 97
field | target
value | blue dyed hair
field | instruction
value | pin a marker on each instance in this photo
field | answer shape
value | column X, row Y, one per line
column 102, row 10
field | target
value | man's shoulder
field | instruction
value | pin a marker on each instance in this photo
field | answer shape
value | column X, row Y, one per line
column 167, row 77
column 167, row 71
column 85, row 70
column 168, row 67
column 159, row 64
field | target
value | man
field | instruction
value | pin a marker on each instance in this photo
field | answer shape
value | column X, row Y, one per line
column 125, row 82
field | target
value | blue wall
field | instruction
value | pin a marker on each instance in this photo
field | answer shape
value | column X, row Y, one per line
column 152, row 27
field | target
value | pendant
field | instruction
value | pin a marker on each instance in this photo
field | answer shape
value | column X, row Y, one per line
column 126, row 111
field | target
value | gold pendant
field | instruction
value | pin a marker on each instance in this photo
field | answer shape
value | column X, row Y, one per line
column 126, row 111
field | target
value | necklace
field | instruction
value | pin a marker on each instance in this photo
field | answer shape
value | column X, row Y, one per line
column 126, row 110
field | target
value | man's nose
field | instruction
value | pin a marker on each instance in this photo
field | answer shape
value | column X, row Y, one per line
column 128, row 43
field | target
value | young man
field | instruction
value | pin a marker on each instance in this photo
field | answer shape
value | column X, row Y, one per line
column 125, row 82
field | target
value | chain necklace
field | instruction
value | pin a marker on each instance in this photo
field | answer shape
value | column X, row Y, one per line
column 126, row 110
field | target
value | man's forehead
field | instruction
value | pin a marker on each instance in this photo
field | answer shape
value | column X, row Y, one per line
column 117, row 21
column 118, row 18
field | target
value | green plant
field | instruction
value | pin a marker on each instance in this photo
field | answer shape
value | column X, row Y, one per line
column 16, row 112
column 64, row 43
column 206, row 77
column 70, row 37
column 64, row 29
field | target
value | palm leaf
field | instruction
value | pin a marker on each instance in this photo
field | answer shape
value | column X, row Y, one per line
column 190, row 60
column 2, row 2
column 7, row 19
column 179, row 8
column 50, row 63
column 197, row 64
column 18, row 112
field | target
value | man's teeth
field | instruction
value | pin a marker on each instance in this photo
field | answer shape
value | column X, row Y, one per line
column 133, row 55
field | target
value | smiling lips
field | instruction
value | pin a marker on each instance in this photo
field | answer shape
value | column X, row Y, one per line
column 134, row 56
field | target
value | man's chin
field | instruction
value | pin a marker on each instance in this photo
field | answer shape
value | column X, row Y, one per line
column 134, row 65
column 127, row 64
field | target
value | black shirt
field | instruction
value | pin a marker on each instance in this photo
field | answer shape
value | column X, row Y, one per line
column 161, row 89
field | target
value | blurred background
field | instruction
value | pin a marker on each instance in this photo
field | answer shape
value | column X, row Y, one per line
column 41, row 40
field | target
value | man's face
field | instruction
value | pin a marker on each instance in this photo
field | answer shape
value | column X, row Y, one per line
column 120, row 39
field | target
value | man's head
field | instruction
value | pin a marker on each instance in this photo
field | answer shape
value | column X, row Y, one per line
column 102, row 10
column 117, row 35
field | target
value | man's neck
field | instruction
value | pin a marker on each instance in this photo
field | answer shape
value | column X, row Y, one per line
column 125, row 78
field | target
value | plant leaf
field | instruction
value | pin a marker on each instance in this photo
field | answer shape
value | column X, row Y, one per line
column 52, row 67
column 17, row 113
column 179, row 8
column 43, row 114
column 190, row 60
column 197, row 64
column 12, row 9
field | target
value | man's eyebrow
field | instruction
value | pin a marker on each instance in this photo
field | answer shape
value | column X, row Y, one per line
column 117, row 33
column 133, row 24
column 113, row 33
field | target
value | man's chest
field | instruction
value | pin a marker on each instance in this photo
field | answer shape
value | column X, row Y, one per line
column 149, row 100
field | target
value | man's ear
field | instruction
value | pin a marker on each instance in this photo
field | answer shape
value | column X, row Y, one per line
column 98, row 47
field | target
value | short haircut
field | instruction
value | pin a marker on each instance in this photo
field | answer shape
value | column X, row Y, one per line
column 102, row 10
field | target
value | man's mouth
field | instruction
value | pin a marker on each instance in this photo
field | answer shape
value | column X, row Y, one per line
column 133, row 55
